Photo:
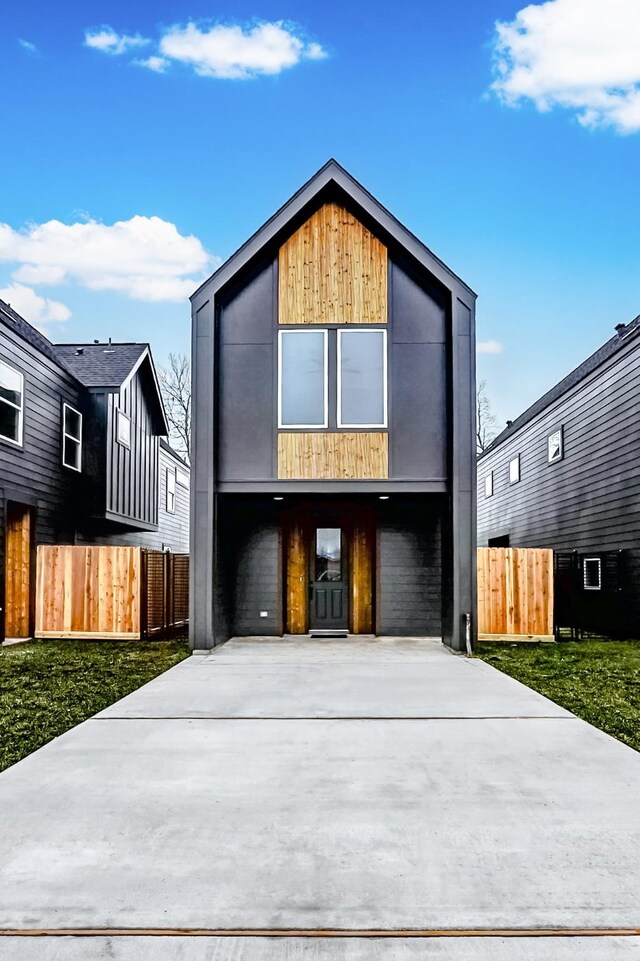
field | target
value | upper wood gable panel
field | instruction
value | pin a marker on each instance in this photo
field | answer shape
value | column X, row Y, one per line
column 332, row 270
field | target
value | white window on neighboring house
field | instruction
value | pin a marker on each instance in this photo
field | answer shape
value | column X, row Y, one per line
column 71, row 437
column 123, row 429
column 11, row 404
column 592, row 573
column 171, row 490
column 488, row 485
column 182, row 478
column 302, row 378
column 514, row 469
column 555, row 446
column 362, row 378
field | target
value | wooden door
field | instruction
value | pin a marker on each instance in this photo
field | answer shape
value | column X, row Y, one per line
column 18, row 565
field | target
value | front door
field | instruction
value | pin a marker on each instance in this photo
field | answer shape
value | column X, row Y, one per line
column 328, row 581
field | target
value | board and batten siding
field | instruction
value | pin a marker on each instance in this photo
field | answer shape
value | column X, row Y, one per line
column 132, row 473
column 589, row 500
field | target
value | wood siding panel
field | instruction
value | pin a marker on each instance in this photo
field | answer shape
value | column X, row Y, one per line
column 323, row 456
column 332, row 270
column 88, row 592
column 297, row 583
column 361, row 551
column 18, row 571
column 515, row 592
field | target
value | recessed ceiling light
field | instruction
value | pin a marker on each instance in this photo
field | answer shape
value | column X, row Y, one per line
column 278, row 498
column 383, row 497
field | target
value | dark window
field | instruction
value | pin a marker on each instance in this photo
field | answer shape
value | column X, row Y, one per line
column 502, row 541
column 71, row 438
column 11, row 404
column 328, row 554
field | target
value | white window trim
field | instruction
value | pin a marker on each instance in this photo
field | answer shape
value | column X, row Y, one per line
column 20, row 409
column 591, row 560
column 363, row 330
column 488, row 485
column 119, row 414
column 308, row 330
column 518, row 478
column 170, row 472
column 76, row 440
column 550, row 459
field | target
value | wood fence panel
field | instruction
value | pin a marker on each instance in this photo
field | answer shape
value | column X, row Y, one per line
column 515, row 592
column 88, row 592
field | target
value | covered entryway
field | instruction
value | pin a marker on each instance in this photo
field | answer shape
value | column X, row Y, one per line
column 18, row 572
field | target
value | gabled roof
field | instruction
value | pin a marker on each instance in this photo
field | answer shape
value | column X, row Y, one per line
column 101, row 365
column 619, row 341
column 333, row 174
column 23, row 328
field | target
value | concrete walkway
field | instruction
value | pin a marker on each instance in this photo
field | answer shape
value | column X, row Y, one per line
column 345, row 800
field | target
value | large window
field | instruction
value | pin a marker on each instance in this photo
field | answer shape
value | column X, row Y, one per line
column 11, row 404
column 302, row 378
column 171, row 490
column 71, row 438
column 362, row 378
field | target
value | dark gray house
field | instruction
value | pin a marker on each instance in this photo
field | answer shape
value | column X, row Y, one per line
column 565, row 474
column 333, row 398
column 81, row 456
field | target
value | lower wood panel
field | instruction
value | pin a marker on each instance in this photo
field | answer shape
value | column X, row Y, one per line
column 322, row 456
column 361, row 553
column 297, row 579
column 18, row 571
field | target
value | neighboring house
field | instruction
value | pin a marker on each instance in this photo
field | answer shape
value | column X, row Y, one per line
column 333, row 400
column 81, row 456
column 566, row 475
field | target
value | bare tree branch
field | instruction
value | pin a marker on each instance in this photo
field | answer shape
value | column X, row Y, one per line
column 175, row 384
column 486, row 421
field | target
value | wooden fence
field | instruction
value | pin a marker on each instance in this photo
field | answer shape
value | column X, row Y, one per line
column 515, row 593
column 103, row 592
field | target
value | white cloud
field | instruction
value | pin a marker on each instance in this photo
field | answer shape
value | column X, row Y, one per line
column 108, row 41
column 157, row 64
column 28, row 46
column 145, row 258
column 582, row 55
column 490, row 347
column 38, row 310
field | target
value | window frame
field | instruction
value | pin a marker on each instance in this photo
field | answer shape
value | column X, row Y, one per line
column 550, row 459
column 170, row 472
column 3, row 437
column 488, row 483
column 309, row 329
column 74, row 440
column 513, row 460
column 356, row 329
column 120, row 415
column 591, row 560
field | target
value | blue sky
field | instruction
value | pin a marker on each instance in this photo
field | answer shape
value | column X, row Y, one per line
column 530, row 192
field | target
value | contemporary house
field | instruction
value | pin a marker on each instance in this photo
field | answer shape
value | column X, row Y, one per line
column 81, row 456
column 333, row 459
column 565, row 474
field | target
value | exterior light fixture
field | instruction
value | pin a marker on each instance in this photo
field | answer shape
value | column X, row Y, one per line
column 278, row 498
column 383, row 497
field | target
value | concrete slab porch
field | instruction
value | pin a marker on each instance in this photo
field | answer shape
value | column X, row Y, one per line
column 324, row 786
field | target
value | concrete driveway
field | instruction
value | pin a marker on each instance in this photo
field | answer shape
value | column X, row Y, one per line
column 302, row 799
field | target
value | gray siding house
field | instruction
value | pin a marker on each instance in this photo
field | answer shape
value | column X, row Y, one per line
column 333, row 398
column 565, row 474
column 82, row 459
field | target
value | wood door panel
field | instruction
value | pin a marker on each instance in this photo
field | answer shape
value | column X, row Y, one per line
column 297, row 579
column 361, row 557
column 18, row 571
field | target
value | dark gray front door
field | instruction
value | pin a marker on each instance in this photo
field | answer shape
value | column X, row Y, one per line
column 328, row 581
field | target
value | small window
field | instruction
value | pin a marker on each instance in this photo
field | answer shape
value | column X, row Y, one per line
column 592, row 573
column 302, row 379
column 171, row 490
column 182, row 478
column 362, row 378
column 514, row 470
column 124, row 429
column 555, row 446
column 11, row 404
column 71, row 438
column 488, row 485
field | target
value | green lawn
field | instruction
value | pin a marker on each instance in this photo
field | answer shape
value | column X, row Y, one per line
column 46, row 687
column 597, row 680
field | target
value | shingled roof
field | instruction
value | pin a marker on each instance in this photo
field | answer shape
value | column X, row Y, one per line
column 23, row 328
column 620, row 340
column 100, row 365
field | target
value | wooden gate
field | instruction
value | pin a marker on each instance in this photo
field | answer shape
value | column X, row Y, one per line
column 515, row 593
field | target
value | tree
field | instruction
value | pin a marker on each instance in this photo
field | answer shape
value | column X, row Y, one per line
column 175, row 384
column 486, row 421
